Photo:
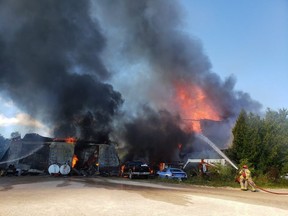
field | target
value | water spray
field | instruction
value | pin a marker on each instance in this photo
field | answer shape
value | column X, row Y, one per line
column 209, row 142
column 23, row 156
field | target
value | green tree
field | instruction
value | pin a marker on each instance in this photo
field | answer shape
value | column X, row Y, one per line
column 263, row 142
column 275, row 140
column 254, row 136
column 237, row 151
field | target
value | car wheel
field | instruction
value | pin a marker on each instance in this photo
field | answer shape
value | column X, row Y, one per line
column 166, row 177
column 130, row 175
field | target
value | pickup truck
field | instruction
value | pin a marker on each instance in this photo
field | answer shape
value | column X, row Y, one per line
column 134, row 169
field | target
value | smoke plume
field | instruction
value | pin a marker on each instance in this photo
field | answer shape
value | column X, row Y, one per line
column 157, row 55
column 154, row 136
column 152, row 34
column 50, row 65
column 57, row 57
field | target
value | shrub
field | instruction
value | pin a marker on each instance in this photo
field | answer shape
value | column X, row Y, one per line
column 223, row 173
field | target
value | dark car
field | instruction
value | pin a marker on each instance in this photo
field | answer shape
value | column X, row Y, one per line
column 134, row 169
column 172, row 173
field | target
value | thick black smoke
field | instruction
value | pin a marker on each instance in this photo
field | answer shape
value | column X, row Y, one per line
column 50, row 65
column 154, row 136
column 150, row 35
column 152, row 32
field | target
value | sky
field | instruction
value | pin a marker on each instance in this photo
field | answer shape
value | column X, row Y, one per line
column 246, row 39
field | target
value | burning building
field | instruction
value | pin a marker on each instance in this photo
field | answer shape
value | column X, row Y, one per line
column 136, row 76
column 172, row 91
column 35, row 154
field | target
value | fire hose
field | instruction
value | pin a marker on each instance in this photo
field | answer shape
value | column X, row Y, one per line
column 251, row 183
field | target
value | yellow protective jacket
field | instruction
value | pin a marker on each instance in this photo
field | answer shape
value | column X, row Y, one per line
column 245, row 174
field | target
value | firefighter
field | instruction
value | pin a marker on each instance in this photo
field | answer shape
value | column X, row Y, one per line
column 203, row 168
column 245, row 179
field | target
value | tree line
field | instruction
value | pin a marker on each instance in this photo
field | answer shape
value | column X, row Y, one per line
column 261, row 142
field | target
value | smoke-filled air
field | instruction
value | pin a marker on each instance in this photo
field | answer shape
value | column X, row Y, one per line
column 123, row 70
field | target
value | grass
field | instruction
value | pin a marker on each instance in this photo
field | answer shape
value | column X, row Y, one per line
column 263, row 182
column 227, row 181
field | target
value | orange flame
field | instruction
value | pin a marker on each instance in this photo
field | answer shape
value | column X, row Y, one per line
column 70, row 140
column 194, row 106
column 74, row 160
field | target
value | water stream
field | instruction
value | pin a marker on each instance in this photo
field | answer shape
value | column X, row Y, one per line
column 22, row 156
column 209, row 142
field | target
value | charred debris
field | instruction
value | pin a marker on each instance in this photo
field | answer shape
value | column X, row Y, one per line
column 35, row 154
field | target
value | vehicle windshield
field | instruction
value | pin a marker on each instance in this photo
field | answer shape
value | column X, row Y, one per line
column 176, row 170
column 136, row 163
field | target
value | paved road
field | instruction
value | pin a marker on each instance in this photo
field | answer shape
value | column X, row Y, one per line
column 45, row 195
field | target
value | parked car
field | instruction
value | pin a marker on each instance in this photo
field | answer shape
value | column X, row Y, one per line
column 134, row 169
column 172, row 173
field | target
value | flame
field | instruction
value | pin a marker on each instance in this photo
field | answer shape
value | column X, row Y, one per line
column 74, row 160
column 194, row 106
column 70, row 140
